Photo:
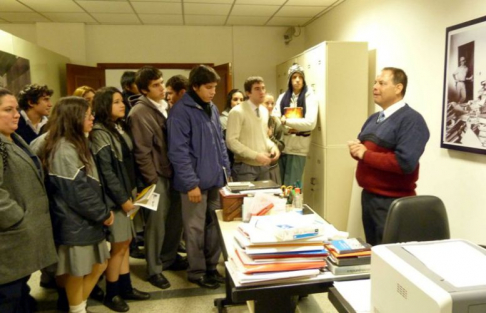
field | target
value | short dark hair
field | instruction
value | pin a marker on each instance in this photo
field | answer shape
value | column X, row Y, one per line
column 127, row 79
column 201, row 75
column 145, row 75
column 250, row 81
column 177, row 82
column 32, row 93
column 399, row 77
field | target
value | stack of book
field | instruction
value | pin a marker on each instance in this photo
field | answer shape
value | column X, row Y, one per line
column 264, row 254
column 349, row 256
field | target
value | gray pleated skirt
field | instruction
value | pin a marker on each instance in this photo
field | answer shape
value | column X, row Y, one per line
column 79, row 260
column 122, row 229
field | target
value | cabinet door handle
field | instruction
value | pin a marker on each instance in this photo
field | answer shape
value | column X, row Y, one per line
column 313, row 181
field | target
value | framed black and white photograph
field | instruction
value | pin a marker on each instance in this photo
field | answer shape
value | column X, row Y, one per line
column 464, row 98
column 14, row 72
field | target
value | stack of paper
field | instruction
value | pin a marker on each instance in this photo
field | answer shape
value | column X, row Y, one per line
column 262, row 257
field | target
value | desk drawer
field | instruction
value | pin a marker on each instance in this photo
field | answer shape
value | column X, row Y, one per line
column 231, row 206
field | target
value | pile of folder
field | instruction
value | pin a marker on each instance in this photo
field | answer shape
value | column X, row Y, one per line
column 354, row 260
column 260, row 257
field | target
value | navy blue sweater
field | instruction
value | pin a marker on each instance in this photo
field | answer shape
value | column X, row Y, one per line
column 390, row 166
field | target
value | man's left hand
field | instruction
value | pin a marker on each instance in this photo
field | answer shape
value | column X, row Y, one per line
column 275, row 154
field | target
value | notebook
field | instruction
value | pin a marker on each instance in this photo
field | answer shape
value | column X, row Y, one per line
column 248, row 185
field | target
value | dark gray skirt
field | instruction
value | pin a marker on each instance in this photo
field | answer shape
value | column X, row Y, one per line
column 122, row 228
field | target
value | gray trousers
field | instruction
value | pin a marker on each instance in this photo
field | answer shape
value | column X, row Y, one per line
column 245, row 172
column 163, row 229
column 201, row 233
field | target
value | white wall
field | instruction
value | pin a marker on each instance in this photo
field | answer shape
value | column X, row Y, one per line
column 251, row 50
column 411, row 35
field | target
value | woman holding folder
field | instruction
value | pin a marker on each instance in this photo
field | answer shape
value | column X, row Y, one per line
column 112, row 148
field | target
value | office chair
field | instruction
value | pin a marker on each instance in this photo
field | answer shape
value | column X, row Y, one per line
column 417, row 218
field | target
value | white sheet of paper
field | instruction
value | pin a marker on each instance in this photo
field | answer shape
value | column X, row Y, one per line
column 153, row 202
column 455, row 261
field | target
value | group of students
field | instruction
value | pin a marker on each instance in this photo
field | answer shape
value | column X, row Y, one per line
column 63, row 195
column 263, row 140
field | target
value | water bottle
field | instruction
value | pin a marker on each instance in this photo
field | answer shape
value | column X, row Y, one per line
column 297, row 201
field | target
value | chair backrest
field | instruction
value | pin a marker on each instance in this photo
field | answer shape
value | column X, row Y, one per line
column 417, row 218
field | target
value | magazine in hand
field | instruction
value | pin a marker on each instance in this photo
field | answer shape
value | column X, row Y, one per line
column 147, row 198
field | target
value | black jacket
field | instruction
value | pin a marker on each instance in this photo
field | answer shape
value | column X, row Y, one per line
column 76, row 199
column 115, row 165
column 26, row 132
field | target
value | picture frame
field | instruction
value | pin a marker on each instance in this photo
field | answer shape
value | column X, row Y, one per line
column 464, row 94
column 14, row 72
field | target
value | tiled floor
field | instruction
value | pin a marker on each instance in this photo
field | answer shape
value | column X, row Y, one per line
column 181, row 297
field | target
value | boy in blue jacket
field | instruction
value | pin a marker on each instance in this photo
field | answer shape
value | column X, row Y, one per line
column 198, row 154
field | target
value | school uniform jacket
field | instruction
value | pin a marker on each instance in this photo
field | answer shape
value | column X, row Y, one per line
column 26, row 243
column 77, row 205
column 108, row 152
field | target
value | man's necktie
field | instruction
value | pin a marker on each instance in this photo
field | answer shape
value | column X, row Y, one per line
column 257, row 112
column 381, row 117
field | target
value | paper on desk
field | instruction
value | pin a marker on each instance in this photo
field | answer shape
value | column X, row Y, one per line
column 455, row 261
column 357, row 293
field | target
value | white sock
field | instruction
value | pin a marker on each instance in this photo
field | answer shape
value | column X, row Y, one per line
column 80, row 308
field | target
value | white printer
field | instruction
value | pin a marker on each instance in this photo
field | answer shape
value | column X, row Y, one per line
column 428, row 277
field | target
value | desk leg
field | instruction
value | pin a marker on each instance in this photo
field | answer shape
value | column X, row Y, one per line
column 221, row 303
column 280, row 305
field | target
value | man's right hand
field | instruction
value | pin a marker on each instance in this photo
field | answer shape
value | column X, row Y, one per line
column 194, row 195
column 263, row 158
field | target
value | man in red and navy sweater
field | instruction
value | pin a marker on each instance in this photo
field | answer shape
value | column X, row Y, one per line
column 388, row 150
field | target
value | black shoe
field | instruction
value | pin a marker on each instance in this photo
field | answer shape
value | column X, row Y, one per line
column 180, row 264
column 116, row 304
column 97, row 294
column 159, row 280
column 136, row 253
column 135, row 294
column 216, row 276
column 205, row 282
column 48, row 285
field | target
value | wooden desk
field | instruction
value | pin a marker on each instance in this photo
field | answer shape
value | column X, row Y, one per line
column 278, row 298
